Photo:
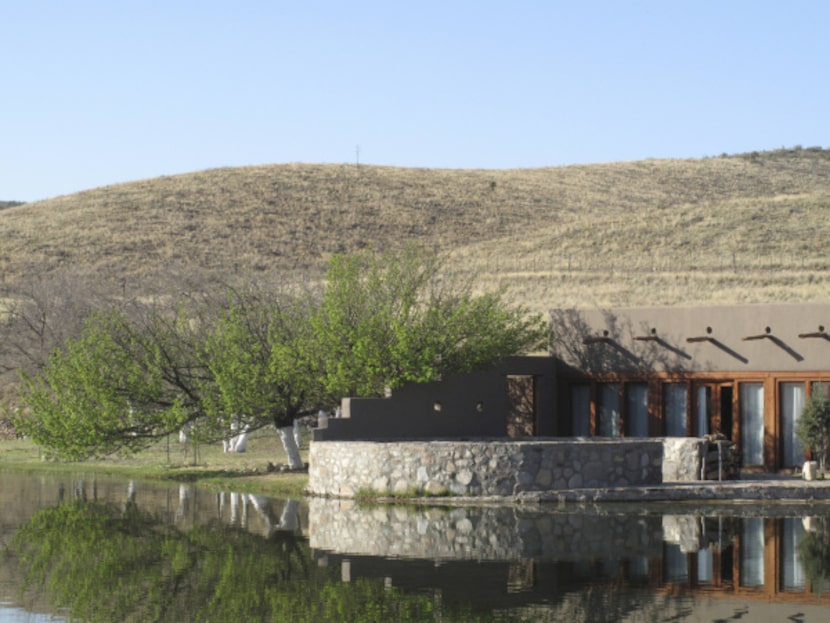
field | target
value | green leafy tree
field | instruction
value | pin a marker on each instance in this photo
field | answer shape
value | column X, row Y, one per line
column 394, row 318
column 813, row 427
column 258, row 359
column 120, row 386
column 263, row 358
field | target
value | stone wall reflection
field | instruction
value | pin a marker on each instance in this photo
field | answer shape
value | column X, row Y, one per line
column 480, row 533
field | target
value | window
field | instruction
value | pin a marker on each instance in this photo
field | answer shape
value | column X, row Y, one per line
column 752, row 423
column 675, row 409
column 581, row 410
column 820, row 387
column 636, row 409
column 609, row 410
column 704, row 409
column 792, row 404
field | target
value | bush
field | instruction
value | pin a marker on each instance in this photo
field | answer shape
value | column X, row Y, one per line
column 813, row 428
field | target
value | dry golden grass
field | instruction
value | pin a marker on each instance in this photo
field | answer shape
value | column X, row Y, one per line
column 749, row 228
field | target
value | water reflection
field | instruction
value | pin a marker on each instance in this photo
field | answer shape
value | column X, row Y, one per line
column 105, row 551
column 697, row 548
column 721, row 560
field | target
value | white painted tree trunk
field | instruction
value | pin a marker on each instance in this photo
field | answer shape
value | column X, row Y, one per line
column 289, row 443
column 237, row 443
column 297, row 436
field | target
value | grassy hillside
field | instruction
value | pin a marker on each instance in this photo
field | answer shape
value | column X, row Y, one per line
column 746, row 228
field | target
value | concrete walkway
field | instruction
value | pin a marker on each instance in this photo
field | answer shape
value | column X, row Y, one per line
column 765, row 488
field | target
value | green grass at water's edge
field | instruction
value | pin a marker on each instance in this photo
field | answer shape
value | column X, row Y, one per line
column 211, row 468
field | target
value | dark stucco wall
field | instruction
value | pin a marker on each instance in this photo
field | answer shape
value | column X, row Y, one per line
column 464, row 405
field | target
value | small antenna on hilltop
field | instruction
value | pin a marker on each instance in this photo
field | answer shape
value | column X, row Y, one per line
column 357, row 155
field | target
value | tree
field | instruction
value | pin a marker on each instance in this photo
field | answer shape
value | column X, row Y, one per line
column 37, row 316
column 266, row 356
column 119, row 386
column 813, row 427
column 263, row 358
column 394, row 318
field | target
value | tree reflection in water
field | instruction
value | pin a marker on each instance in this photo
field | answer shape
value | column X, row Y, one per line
column 103, row 563
column 237, row 557
column 814, row 552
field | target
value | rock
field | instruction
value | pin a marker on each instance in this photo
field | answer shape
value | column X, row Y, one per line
column 7, row 430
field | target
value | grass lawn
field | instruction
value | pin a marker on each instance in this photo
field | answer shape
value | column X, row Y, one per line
column 168, row 460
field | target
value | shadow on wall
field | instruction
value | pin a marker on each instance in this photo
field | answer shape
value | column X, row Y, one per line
column 601, row 341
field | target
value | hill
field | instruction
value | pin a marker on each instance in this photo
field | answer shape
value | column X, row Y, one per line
column 744, row 228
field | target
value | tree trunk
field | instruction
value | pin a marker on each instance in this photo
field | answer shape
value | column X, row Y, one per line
column 237, row 443
column 297, row 435
column 289, row 443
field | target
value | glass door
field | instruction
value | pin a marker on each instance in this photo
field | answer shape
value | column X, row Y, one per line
column 792, row 404
column 636, row 409
column 609, row 410
column 675, row 409
column 712, row 408
column 703, row 409
column 752, row 423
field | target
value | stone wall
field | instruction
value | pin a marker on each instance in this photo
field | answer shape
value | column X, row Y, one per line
column 492, row 468
column 707, row 458
column 681, row 458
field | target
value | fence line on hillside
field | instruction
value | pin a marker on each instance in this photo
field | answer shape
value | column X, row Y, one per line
column 648, row 264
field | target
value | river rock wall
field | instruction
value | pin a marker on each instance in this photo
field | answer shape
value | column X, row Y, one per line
column 494, row 468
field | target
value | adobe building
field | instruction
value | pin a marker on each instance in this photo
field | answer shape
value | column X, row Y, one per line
column 744, row 371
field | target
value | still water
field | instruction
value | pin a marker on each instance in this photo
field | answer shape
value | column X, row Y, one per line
column 91, row 549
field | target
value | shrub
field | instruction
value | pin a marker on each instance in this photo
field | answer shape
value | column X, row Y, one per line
column 813, row 428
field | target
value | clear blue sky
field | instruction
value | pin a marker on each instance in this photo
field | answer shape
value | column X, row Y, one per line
column 107, row 91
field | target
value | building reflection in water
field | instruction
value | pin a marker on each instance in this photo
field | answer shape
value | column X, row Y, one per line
column 711, row 554
column 713, row 551
column 565, row 560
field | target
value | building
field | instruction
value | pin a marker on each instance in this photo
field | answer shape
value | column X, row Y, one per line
column 744, row 371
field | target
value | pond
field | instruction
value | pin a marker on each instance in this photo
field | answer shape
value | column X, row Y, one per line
column 93, row 549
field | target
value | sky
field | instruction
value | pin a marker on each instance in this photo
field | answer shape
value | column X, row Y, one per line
column 99, row 92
